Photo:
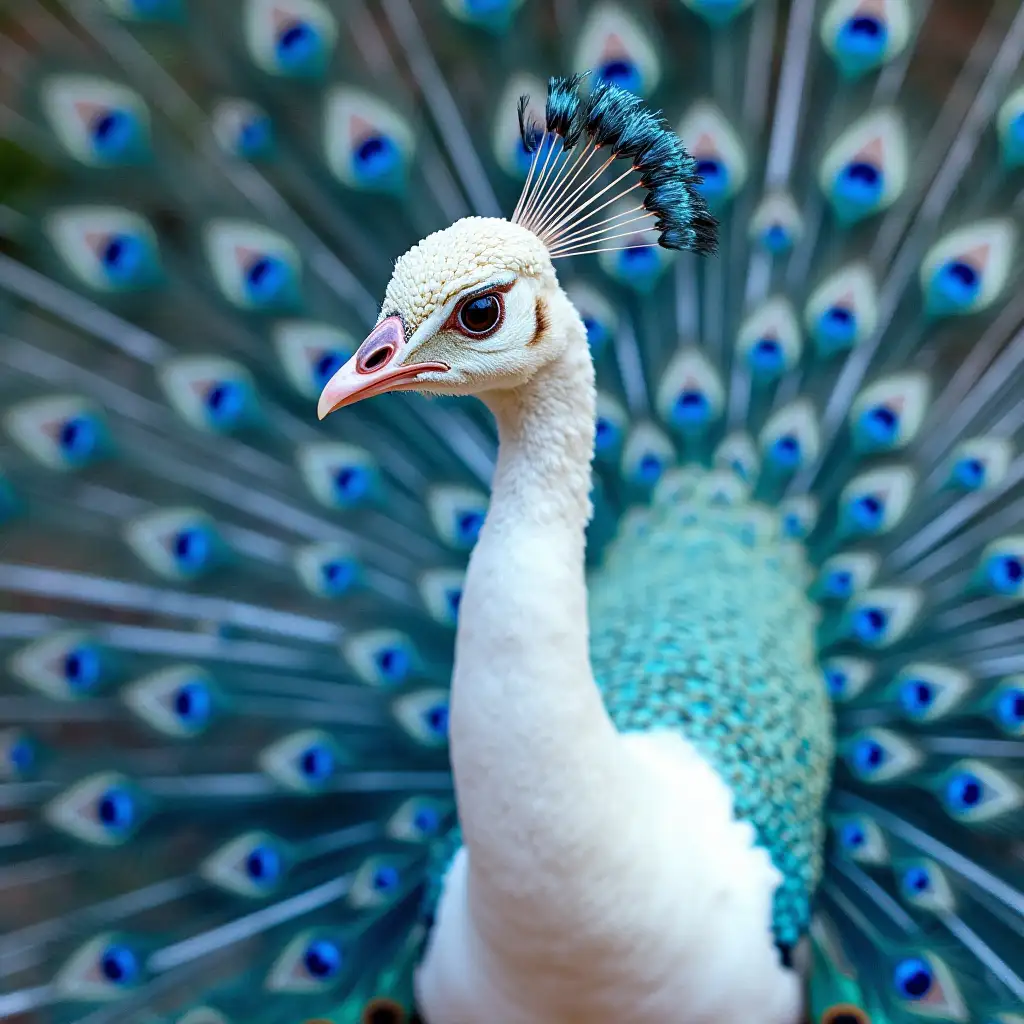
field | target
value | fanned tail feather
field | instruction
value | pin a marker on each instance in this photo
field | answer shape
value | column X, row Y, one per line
column 226, row 632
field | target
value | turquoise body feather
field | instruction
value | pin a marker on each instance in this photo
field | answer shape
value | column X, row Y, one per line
column 226, row 631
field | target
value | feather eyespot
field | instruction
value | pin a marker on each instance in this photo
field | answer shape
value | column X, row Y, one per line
column 479, row 316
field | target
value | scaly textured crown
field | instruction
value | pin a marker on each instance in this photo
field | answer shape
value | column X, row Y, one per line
column 467, row 253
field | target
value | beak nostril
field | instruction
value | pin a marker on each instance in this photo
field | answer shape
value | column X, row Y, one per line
column 376, row 358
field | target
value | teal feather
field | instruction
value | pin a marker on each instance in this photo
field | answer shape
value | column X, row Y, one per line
column 226, row 632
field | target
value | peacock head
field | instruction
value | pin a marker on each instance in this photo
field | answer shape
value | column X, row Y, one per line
column 477, row 308
column 470, row 309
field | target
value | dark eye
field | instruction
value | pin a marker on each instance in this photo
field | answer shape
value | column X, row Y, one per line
column 480, row 315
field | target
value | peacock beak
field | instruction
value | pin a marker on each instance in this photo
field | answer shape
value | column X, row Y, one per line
column 374, row 370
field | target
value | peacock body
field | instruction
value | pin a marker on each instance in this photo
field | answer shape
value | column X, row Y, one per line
column 228, row 630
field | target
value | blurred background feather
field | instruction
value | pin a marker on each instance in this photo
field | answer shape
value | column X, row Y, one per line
column 226, row 630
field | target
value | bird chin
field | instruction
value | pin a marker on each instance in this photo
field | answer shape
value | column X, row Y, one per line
column 443, row 385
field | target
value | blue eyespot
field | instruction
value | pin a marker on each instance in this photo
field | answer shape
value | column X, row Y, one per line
column 638, row 261
column 352, row 484
column 836, row 328
column 969, row 473
column 393, row 663
column 867, row 513
column 785, row 451
column 386, row 879
column 715, row 178
column 776, row 239
column 124, row 258
column 954, row 287
column 21, row 755
column 225, row 403
column 623, row 73
column 299, row 47
column 192, row 549
column 964, row 791
column 868, row 756
column 119, row 965
column 255, row 137
column 327, row 366
column 266, row 280
column 525, row 156
column 545, row 152
column 468, row 526
column 193, row 704
column 691, row 409
column 649, row 469
column 263, row 865
column 1010, row 708
column 376, row 158
column 82, row 668
column 113, row 133
column 861, row 43
column 427, row 821
column 870, row 624
column 606, row 435
column 116, row 809
column 839, row 584
column 79, row 439
column 852, row 836
column 322, row 959
column 317, row 762
column 859, row 184
column 1005, row 574
column 916, row 697
column 338, row 575
column 793, row 526
column 916, row 880
column 880, row 424
column 835, row 681
column 913, row 978
column 766, row 357
column 436, row 718
column 597, row 334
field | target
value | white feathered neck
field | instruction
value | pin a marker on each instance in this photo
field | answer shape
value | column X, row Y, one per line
column 607, row 879
column 531, row 741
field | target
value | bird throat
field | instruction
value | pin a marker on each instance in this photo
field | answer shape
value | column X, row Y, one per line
column 531, row 742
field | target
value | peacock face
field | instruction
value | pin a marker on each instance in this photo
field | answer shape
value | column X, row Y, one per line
column 468, row 310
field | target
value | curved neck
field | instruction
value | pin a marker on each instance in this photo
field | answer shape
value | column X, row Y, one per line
column 531, row 741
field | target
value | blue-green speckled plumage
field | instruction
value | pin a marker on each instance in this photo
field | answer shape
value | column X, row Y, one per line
column 700, row 623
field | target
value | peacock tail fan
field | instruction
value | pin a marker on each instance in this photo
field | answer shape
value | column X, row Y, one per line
column 227, row 630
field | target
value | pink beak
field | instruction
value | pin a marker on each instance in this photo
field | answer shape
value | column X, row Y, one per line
column 372, row 370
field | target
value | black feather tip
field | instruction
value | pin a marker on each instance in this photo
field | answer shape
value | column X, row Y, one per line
column 618, row 119
column 528, row 127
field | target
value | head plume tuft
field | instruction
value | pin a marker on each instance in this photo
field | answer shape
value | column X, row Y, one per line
column 558, row 200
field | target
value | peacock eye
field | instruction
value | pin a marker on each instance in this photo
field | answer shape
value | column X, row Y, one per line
column 481, row 315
